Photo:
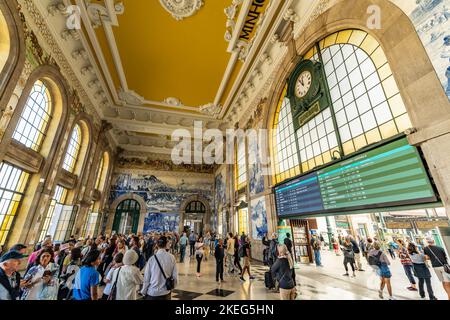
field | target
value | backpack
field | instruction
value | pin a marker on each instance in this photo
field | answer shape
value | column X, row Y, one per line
column 316, row 245
column 375, row 260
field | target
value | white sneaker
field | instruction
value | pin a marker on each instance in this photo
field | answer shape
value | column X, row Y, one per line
column 380, row 294
column 392, row 298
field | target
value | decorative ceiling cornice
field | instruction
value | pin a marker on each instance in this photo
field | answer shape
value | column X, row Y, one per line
column 180, row 9
column 29, row 9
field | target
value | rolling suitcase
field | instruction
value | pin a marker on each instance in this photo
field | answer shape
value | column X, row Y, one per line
column 268, row 280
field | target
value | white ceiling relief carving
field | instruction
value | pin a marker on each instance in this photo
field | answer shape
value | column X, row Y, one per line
column 180, row 9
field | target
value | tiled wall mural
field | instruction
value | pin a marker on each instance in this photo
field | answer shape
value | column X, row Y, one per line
column 258, row 216
column 220, row 198
column 431, row 19
column 256, row 179
column 162, row 194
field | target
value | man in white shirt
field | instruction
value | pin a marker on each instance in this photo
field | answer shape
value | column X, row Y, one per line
column 154, row 287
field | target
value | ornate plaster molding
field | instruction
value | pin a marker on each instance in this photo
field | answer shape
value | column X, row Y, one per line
column 173, row 101
column 43, row 30
column 131, row 97
column 211, row 109
column 99, row 13
column 231, row 12
column 180, row 9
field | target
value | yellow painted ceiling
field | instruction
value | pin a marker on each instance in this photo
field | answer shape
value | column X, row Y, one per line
column 163, row 57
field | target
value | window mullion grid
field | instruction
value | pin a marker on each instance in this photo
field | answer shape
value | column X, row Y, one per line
column 327, row 90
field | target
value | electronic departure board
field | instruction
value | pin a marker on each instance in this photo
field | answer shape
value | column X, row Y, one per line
column 388, row 176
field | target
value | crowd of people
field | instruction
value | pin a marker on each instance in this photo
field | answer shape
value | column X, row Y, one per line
column 126, row 267
column 145, row 267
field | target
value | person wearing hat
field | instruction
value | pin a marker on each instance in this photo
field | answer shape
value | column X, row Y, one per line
column 160, row 266
column 10, row 280
column 128, row 277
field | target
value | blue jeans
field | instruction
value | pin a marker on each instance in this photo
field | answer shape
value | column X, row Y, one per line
column 317, row 257
column 182, row 252
column 409, row 273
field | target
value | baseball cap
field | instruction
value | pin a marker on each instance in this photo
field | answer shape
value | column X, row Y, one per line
column 11, row 255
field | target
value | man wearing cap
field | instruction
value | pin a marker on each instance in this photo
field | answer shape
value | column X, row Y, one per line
column 10, row 282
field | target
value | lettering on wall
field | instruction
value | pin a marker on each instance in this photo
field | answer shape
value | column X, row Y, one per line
column 256, row 9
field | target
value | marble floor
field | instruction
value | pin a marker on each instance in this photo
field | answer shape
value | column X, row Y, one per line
column 314, row 283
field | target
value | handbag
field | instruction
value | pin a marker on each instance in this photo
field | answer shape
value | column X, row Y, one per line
column 446, row 266
column 170, row 282
column 113, row 293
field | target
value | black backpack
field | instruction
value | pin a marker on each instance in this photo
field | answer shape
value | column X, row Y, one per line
column 375, row 260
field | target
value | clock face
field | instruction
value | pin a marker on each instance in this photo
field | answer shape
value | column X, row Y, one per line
column 303, row 84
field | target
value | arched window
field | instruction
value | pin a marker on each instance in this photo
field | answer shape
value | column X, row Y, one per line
column 366, row 106
column 100, row 173
column 33, row 123
column 241, row 164
column 54, row 212
column 73, row 150
column 12, row 186
column 92, row 223
column 5, row 41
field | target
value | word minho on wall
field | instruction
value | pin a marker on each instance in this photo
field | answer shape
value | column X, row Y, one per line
column 256, row 9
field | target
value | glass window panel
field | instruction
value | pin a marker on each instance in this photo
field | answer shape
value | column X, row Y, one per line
column 384, row 72
column 368, row 121
column 351, row 62
column 403, row 122
column 369, row 44
column 345, row 133
column 341, row 118
column 359, row 142
column 390, row 87
column 388, row 130
column 359, row 90
column 373, row 136
column 397, row 105
column 376, row 95
column 363, row 104
column 34, row 118
column 351, row 111
column 382, row 113
column 11, row 187
column 73, row 150
column 347, row 51
column 347, row 98
column 343, row 36
column 357, row 37
column 378, row 57
column 355, row 77
column 321, row 130
column 356, row 127
column 341, row 72
column 345, row 86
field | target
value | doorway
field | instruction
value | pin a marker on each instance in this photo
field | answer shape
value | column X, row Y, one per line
column 126, row 219
column 195, row 212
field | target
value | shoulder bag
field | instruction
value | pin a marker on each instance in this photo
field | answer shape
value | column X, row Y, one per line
column 170, row 282
column 446, row 266
column 113, row 293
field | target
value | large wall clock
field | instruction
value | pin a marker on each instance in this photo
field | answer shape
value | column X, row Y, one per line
column 307, row 91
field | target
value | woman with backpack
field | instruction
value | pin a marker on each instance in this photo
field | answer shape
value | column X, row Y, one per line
column 421, row 271
column 379, row 260
column 349, row 256
column 69, row 273
column 282, row 271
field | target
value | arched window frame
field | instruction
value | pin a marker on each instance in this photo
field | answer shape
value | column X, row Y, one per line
column 73, row 149
column 35, row 117
column 397, row 123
